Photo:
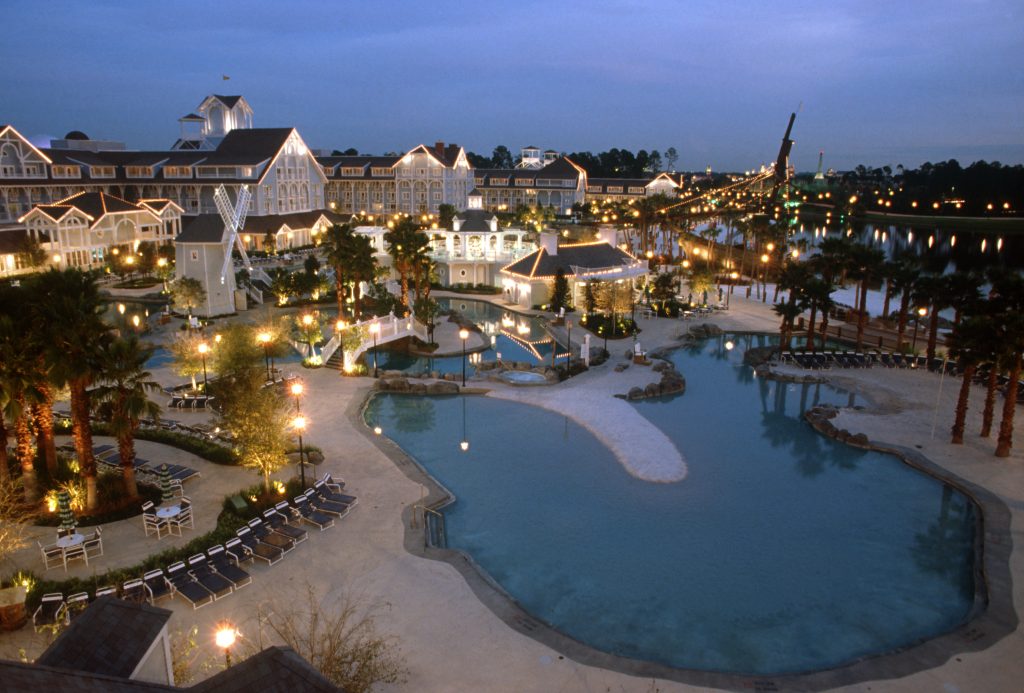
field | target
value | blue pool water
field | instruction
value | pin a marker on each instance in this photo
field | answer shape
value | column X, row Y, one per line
column 515, row 336
column 782, row 551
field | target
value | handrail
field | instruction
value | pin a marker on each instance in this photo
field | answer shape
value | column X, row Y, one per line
column 442, row 535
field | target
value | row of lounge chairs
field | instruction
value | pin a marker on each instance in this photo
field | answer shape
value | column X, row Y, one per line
column 219, row 572
column 193, row 402
column 109, row 455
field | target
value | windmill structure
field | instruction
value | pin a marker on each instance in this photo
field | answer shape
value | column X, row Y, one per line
column 233, row 216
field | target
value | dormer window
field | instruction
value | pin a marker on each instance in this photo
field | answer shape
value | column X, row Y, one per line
column 139, row 171
column 177, row 172
column 351, row 170
column 101, row 171
column 66, row 171
column 381, row 171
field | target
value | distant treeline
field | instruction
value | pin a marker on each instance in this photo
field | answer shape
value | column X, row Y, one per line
column 614, row 163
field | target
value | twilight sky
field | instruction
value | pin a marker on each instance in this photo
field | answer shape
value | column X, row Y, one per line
column 880, row 82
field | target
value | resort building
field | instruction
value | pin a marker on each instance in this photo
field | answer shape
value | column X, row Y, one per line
column 559, row 184
column 418, row 182
column 625, row 189
column 80, row 230
column 528, row 281
column 473, row 251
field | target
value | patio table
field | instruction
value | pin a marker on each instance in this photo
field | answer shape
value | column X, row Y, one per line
column 70, row 540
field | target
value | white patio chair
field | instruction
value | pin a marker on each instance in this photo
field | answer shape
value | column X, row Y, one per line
column 53, row 555
column 73, row 553
column 154, row 524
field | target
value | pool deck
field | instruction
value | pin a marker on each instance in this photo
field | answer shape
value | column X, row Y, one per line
column 457, row 633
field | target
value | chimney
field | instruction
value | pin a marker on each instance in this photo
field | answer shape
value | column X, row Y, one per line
column 439, row 147
column 549, row 242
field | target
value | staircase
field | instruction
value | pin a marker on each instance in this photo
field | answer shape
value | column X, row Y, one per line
column 388, row 328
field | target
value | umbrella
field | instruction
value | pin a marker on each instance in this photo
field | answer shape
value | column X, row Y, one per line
column 166, row 494
column 67, row 517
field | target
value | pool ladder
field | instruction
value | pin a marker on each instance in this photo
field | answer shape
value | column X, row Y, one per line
column 434, row 532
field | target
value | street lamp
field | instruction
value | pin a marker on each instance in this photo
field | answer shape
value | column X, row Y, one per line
column 299, row 422
column 374, row 330
column 733, row 276
column 568, row 339
column 264, row 339
column 225, row 638
column 764, row 277
column 463, row 335
column 297, row 393
column 921, row 312
column 203, row 348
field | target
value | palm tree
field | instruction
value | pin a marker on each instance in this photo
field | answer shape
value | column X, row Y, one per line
column 1009, row 291
column 334, row 243
column 969, row 342
column 964, row 293
column 122, row 364
column 362, row 267
column 818, row 296
column 902, row 277
column 406, row 244
column 71, row 303
column 866, row 263
column 789, row 311
column 930, row 291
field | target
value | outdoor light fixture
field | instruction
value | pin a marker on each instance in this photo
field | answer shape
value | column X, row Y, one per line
column 299, row 422
column 120, row 308
column 375, row 330
column 203, row 348
column 463, row 335
column 225, row 638
column 264, row 339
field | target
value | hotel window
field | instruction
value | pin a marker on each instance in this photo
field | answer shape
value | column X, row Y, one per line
column 593, row 188
column 66, row 171
column 636, row 189
column 381, row 171
column 328, row 170
column 101, row 171
column 351, row 171
column 499, row 181
column 568, row 183
column 195, row 256
column 479, row 180
column 247, row 172
column 437, row 197
column 139, row 171
column 34, row 170
column 614, row 189
column 523, row 182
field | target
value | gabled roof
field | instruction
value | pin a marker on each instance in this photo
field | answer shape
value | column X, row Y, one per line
column 5, row 129
column 446, row 157
column 249, row 146
column 475, row 219
column 192, row 116
column 228, row 101
column 158, row 205
column 111, row 637
column 583, row 256
column 273, row 670
column 94, row 205
column 202, row 228
column 295, row 220
column 21, row 676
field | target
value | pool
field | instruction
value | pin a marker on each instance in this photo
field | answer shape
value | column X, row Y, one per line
column 523, row 378
column 781, row 552
column 515, row 336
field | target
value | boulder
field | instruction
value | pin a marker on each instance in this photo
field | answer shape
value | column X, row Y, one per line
column 713, row 330
column 858, row 439
column 652, row 390
column 396, row 384
column 635, row 393
column 442, row 388
column 418, row 388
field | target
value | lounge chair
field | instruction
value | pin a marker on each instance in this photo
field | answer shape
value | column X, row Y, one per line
column 109, row 590
column 51, row 612
column 334, row 485
column 223, row 564
column 339, row 510
column 237, row 551
column 187, row 586
column 325, row 492
column 309, row 514
column 259, row 549
column 219, row 586
column 277, row 519
column 76, row 604
column 267, row 535
column 158, row 585
column 93, row 544
column 136, row 591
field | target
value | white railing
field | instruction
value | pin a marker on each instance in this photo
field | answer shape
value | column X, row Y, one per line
column 255, row 294
column 485, row 256
column 258, row 273
column 389, row 328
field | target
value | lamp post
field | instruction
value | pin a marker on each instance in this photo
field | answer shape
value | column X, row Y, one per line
column 568, row 339
column 264, row 339
column 299, row 422
column 374, row 330
column 225, row 638
column 463, row 335
column 733, row 276
column 338, row 327
column 921, row 312
column 685, row 265
column 764, row 278
column 203, row 348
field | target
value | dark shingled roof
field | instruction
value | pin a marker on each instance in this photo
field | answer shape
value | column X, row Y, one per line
column 249, row 146
column 295, row 220
column 95, row 204
column 475, row 219
column 589, row 256
column 191, row 116
column 19, row 676
column 110, row 637
column 202, row 228
column 273, row 670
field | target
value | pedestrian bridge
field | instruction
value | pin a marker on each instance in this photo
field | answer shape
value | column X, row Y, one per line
column 376, row 331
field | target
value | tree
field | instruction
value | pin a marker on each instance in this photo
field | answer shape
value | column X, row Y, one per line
column 866, row 263
column 71, row 300
column 258, row 420
column 32, row 252
column 14, row 519
column 671, row 157
column 590, row 296
column 125, row 387
column 968, row 346
column 188, row 292
column 18, row 377
column 445, row 215
column 185, row 352
column 426, row 311
column 902, row 277
column 339, row 638
column 501, row 157
column 406, row 244
column 1008, row 290
column 559, row 291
